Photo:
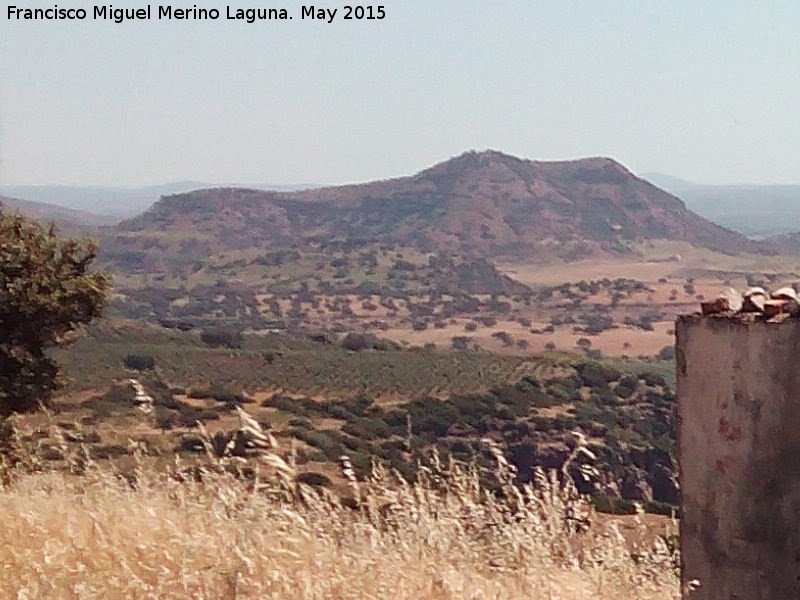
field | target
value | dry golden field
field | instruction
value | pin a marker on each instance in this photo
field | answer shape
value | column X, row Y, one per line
column 222, row 533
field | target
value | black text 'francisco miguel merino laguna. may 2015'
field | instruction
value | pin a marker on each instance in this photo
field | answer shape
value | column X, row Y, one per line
column 170, row 13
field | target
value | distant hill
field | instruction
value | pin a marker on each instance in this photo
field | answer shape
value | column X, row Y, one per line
column 68, row 221
column 785, row 242
column 755, row 210
column 486, row 205
column 118, row 202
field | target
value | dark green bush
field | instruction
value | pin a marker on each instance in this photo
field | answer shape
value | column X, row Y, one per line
column 222, row 394
column 623, row 391
column 188, row 416
column 595, row 375
column 165, row 418
column 116, row 400
column 666, row 353
column 397, row 420
column 139, row 362
column 190, row 443
column 368, row 429
column 356, row 342
column 322, row 440
column 222, row 336
column 653, row 379
column 314, row 479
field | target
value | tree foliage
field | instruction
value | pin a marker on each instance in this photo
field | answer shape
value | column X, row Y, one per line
column 46, row 291
column 222, row 336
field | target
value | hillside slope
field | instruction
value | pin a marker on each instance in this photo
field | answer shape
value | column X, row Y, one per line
column 69, row 221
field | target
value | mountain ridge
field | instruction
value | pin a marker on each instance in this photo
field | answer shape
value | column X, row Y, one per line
column 757, row 210
column 118, row 202
column 69, row 221
column 482, row 204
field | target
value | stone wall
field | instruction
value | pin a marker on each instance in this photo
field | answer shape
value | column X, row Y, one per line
column 739, row 456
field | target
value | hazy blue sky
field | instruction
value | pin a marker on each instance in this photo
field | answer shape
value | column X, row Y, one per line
column 708, row 91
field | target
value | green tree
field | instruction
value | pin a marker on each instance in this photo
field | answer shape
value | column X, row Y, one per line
column 46, row 292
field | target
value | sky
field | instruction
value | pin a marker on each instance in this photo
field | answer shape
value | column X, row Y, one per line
column 706, row 91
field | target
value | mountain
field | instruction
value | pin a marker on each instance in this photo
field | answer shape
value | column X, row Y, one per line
column 119, row 202
column 755, row 210
column 785, row 242
column 488, row 205
column 668, row 182
column 68, row 221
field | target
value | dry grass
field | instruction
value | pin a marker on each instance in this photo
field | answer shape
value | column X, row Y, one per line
column 222, row 535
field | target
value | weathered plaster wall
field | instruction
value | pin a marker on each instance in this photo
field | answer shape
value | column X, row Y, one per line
column 739, row 454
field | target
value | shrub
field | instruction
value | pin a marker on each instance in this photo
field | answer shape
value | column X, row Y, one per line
column 322, row 440
column 368, row 429
column 188, row 416
column 165, row 418
column 653, row 379
column 222, row 336
column 356, row 342
column 624, row 391
column 605, row 396
column 505, row 337
column 314, row 479
column 646, row 321
column 160, row 391
column 397, row 419
column 139, row 362
column 595, row 375
column 190, row 443
column 222, row 394
column 561, row 392
column 460, row 342
column 597, row 323
column 117, row 400
column 666, row 353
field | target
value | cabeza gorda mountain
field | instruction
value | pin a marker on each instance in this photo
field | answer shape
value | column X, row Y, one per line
column 484, row 205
